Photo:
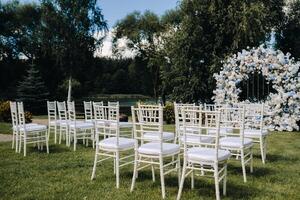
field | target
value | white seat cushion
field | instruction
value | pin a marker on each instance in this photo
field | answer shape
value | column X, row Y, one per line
column 57, row 122
column 121, row 124
column 36, row 127
column 111, row 143
column 198, row 154
column 223, row 131
column 153, row 148
column 27, row 125
column 255, row 133
column 81, row 125
column 196, row 139
column 235, row 142
column 152, row 135
column 189, row 129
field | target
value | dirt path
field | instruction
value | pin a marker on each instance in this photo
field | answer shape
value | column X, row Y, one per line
column 5, row 137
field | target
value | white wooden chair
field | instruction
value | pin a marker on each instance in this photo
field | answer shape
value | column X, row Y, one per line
column 15, row 125
column 179, row 125
column 34, row 134
column 153, row 134
column 125, row 127
column 210, row 118
column 114, row 145
column 235, row 142
column 88, row 111
column 53, row 121
column 157, row 152
column 79, row 129
column 209, row 159
column 254, row 127
column 63, row 122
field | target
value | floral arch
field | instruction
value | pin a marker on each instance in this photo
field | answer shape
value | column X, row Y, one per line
column 275, row 66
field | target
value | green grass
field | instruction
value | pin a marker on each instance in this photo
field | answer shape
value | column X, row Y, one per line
column 64, row 174
column 5, row 128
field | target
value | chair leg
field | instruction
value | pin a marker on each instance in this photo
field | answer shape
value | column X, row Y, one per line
column 60, row 133
column 162, row 178
column 20, row 144
column 55, row 133
column 153, row 171
column 192, row 179
column 216, row 175
column 95, row 163
column 251, row 160
column 225, row 180
column 117, row 169
column 13, row 141
column 17, row 143
column 75, row 139
column 178, row 169
column 134, row 176
column 24, row 146
column 261, row 144
column 265, row 148
column 243, row 165
column 182, row 180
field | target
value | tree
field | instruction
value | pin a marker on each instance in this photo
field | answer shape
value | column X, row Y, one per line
column 32, row 90
column 143, row 35
column 288, row 39
column 210, row 31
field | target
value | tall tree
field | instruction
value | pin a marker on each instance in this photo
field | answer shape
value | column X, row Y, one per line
column 143, row 36
column 208, row 32
column 288, row 39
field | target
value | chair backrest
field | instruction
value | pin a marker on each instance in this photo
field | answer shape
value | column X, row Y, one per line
column 21, row 114
column 51, row 107
column 88, row 110
column 113, row 103
column 148, row 118
column 178, row 108
column 254, row 116
column 199, row 126
column 62, row 110
column 14, row 114
column 71, row 111
column 107, row 121
column 233, row 118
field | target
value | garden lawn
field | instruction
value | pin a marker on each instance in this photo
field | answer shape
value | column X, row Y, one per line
column 64, row 174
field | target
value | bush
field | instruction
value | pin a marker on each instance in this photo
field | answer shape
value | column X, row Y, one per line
column 5, row 113
column 169, row 115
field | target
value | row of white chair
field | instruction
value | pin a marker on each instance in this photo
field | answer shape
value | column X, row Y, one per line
column 207, row 135
column 24, row 133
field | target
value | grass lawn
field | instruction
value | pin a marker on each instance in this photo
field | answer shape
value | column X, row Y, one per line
column 64, row 174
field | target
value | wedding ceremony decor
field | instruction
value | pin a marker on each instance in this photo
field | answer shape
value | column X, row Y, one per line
column 281, row 69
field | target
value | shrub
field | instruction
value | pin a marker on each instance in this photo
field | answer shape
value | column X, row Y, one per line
column 5, row 111
column 169, row 115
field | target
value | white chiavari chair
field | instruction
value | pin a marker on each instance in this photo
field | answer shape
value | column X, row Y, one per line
column 63, row 122
column 15, row 124
column 79, row 129
column 153, row 134
column 203, row 156
column 34, row 134
column 157, row 152
column 254, row 127
column 114, row 145
column 235, row 142
column 53, row 121
column 210, row 118
column 179, row 125
column 88, row 111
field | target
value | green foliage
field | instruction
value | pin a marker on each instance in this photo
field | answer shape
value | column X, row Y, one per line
column 32, row 90
column 288, row 39
column 5, row 111
column 209, row 31
column 169, row 115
